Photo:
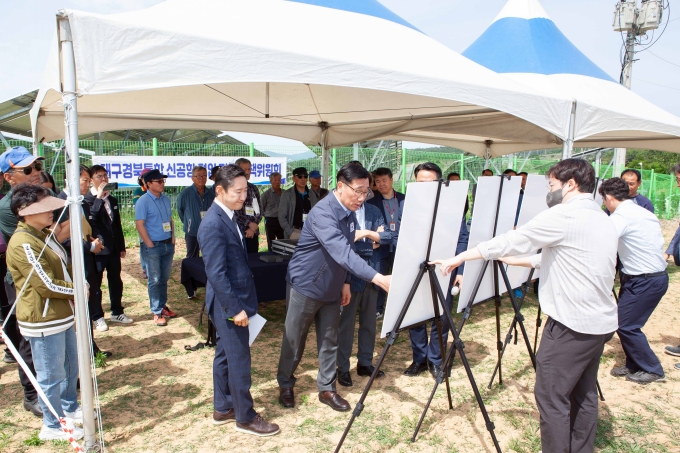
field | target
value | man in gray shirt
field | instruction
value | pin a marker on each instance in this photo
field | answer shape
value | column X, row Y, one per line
column 578, row 262
column 270, row 209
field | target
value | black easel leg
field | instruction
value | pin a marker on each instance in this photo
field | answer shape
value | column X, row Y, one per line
column 539, row 321
column 497, row 300
column 599, row 390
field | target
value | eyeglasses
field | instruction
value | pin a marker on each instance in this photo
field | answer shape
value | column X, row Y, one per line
column 101, row 176
column 159, row 181
column 28, row 170
column 360, row 193
column 302, row 176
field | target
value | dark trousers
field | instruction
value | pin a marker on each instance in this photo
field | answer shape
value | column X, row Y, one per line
column 231, row 367
column 638, row 297
column 565, row 390
column 111, row 264
column 273, row 230
column 364, row 302
column 301, row 312
column 252, row 244
column 23, row 346
column 385, row 269
column 193, row 249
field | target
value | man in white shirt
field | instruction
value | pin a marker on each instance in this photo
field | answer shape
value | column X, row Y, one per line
column 644, row 279
column 577, row 275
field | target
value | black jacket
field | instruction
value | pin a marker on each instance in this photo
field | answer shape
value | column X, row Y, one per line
column 110, row 232
column 88, row 256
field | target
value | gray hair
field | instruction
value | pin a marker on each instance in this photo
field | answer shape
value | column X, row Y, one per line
column 196, row 169
column 242, row 160
column 274, row 175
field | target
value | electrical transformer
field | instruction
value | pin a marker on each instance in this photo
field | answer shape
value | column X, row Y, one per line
column 649, row 16
column 624, row 16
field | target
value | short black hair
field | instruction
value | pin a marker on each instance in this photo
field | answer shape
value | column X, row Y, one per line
column 453, row 173
column 242, row 160
column 577, row 169
column 428, row 166
column 351, row 171
column 509, row 171
column 383, row 171
column 225, row 175
column 522, row 173
column 85, row 169
column 355, row 162
column 24, row 195
column 46, row 177
column 97, row 169
column 676, row 169
column 616, row 187
column 487, row 169
column 633, row 171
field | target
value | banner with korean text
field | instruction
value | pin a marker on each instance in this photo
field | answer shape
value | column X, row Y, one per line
column 126, row 169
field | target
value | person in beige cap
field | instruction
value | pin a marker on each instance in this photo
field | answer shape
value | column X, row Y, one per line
column 44, row 310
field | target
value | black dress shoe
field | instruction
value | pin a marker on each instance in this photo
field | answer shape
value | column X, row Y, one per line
column 335, row 401
column 9, row 358
column 368, row 370
column 415, row 369
column 344, row 379
column 33, row 407
column 286, row 397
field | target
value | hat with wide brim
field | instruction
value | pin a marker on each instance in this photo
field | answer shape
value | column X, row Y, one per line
column 47, row 204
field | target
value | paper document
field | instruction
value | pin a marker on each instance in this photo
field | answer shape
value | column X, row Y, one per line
column 255, row 325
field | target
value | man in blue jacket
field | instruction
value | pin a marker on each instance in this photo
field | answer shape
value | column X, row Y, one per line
column 318, row 279
column 371, row 234
column 429, row 356
column 231, row 300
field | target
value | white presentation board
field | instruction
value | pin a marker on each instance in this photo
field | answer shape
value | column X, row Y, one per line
column 481, row 230
column 533, row 203
column 414, row 234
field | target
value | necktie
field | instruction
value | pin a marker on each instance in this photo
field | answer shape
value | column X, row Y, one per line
column 238, row 230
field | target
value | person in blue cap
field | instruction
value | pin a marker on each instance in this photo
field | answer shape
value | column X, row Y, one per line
column 18, row 166
column 315, row 182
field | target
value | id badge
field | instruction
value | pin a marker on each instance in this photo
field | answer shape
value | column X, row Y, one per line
column 393, row 226
column 304, row 217
column 250, row 211
column 166, row 227
column 203, row 214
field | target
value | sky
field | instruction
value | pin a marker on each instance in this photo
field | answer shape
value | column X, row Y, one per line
column 29, row 25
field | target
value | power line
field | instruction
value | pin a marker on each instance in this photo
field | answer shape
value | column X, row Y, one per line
column 663, row 59
column 663, row 86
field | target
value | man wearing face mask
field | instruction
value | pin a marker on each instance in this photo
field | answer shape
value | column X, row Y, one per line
column 579, row 245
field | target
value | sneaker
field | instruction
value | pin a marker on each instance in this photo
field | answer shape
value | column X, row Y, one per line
column 160, row 320
column 621, row 371
column 9, row 358
column 77, row 416
column 168, row 313
column 379, row 315
column 673, row 350
column 191, row 296
column 47, row 433
column 642, row 377
column 101, row 325
column 122, row 318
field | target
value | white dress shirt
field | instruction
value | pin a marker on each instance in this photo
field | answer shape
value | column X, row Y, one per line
column 640, row 239
column 577, row 264
column 230, row 213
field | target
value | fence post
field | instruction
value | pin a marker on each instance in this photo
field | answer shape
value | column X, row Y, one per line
column 154, row 144
column 41, row 152
column 514, row 162
column 335, row 168
column 251, row 150
column 462, row 166
column 403, row 169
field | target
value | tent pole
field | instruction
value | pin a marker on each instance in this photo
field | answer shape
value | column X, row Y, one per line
column 568, row 144
column 325, row 158
column 487, row 153
column 68, row 71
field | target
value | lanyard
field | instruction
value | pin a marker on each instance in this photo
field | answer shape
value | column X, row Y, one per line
column 159, row 209
column 386, row 204
column 302, row 199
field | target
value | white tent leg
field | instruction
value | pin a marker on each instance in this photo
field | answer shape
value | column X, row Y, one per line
column 568, row 145
column 82, row 317
column 487, row 154
column 325, row 159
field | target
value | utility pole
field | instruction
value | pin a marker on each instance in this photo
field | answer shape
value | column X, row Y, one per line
column 635, row 22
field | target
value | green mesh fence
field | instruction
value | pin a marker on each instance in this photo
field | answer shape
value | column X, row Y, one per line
column 661, row 189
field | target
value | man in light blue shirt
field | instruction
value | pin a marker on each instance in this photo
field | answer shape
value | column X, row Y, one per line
column 153, row 219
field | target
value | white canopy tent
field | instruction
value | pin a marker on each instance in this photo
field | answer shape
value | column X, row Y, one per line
column 325, row 72
column 525, row 45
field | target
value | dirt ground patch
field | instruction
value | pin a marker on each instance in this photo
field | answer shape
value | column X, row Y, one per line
column 157, row 397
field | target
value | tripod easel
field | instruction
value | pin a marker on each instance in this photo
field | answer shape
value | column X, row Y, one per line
column 437, row 297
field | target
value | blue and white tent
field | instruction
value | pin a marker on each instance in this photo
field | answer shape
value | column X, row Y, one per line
column 330, row 72
column 525, row 45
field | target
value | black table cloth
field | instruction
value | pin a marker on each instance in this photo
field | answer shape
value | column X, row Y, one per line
column 270, row 278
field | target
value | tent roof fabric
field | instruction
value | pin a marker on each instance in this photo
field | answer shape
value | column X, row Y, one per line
column 367, row 7
column 176, row 66
column 526, row 46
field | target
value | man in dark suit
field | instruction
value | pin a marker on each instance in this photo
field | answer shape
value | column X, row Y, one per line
column 105, row 220
column 231, row 300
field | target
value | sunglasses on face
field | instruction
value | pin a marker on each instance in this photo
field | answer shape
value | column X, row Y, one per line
column 159, row 181
column 28, row 170
column 302, row 176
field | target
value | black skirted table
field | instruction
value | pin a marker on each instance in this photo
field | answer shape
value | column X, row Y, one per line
column 270, row 278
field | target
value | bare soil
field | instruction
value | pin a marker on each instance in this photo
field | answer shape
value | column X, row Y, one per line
column 155, row 396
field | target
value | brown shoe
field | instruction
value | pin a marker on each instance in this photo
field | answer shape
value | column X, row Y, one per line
column 220, row 418
column 258, row 427
column 335, row 401
column 160, row 320
column 286, row 397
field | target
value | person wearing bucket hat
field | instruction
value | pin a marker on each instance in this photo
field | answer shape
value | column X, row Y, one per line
column 39, row 265
column 153, row 219
column 18, row 166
